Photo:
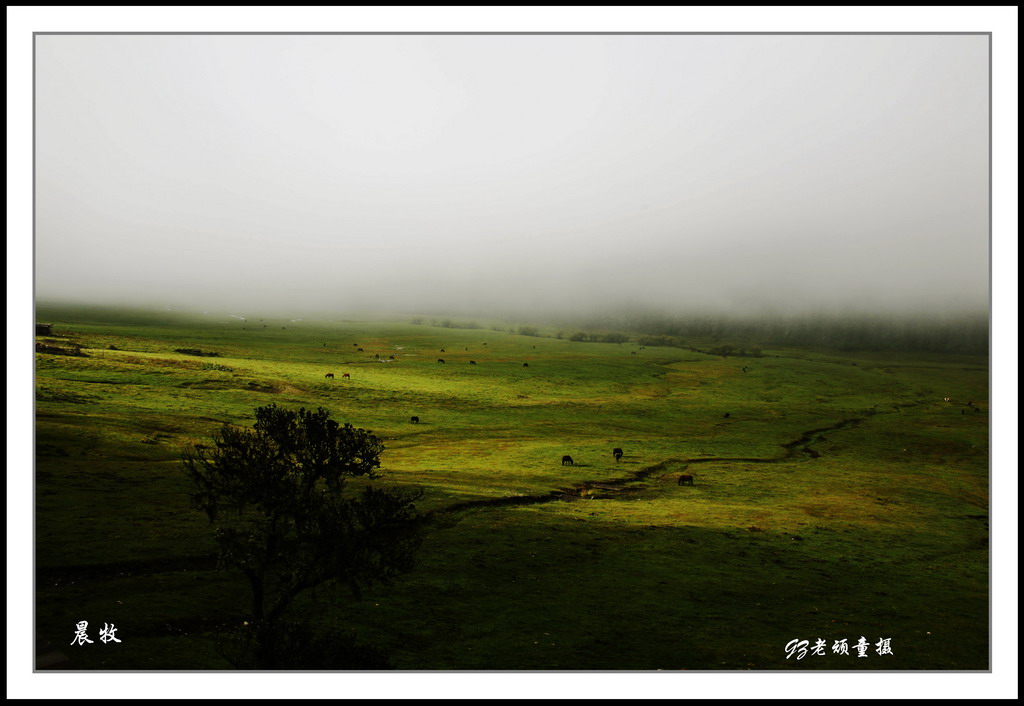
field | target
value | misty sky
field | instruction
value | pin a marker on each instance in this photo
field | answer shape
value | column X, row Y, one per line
column 739, row 173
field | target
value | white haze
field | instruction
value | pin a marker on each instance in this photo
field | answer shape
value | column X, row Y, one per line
column 557, row 173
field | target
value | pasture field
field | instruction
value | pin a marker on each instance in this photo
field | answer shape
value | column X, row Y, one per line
column 842, row 497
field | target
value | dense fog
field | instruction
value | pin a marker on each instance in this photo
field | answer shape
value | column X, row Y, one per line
column 508, row 174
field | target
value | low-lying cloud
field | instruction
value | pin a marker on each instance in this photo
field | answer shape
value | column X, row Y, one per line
column 513, row 173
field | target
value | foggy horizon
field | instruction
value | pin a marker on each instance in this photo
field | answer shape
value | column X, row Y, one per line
column 562, row 174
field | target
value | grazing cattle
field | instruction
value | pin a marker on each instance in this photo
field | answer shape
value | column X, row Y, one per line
column 744, row 370
column 414, row 420
column 632, row 352
column 391, row 357
column 726, row 415
column 329, row 375
column 442, row 350
column 440, row 360
column 963, row 411
column 359, row 349
column 526, row 365
column 945, row 399
column 617, row 453
column 345, row 375
column 685, row 479
column 472, row 362
column 567, row 460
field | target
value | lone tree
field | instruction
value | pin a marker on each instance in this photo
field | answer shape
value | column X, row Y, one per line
column 277, row 496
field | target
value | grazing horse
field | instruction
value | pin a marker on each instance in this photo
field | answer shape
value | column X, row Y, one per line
column 329, row 375
column 566, row 460
column 472, row 362
column 685, row 478
column 617, row 453
column 414, row 420
column 440, row 360
column 346, row 375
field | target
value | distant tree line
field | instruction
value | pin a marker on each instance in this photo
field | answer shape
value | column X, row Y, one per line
column 733, row 335
column 954, row 334
column 448, row 323
column 599, row 337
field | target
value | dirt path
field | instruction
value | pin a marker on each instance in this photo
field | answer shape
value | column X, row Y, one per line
column 802, row 445
column 48, row 577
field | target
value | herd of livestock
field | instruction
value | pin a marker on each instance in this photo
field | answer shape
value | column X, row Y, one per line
column 566, row 459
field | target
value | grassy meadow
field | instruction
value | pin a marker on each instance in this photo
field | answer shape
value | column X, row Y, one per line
column 841, row 497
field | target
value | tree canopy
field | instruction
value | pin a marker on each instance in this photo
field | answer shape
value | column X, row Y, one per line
column 277, row 496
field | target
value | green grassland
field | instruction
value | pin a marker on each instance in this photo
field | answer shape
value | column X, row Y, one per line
column 842, row 496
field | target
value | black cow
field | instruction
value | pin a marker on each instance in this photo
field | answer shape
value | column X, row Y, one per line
column 329, row 375
column 567, row 460
column 685, row 479
column 359, row 349
column 414, row 420
column 442, row 350
column 526, row 365
column 617, row 453
column 472, row 362
column 726, row 415
column 440, row 360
